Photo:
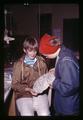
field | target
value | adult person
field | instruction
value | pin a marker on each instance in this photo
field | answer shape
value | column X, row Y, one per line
column 66, row 83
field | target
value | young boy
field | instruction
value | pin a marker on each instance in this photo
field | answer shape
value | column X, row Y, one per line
column 26, row 71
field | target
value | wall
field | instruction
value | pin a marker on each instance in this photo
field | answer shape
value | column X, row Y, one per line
column 26, row 17
column 59, row 13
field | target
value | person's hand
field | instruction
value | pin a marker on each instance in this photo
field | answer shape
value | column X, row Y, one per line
column 52, row 70
column 50, row 86
column 31, row 91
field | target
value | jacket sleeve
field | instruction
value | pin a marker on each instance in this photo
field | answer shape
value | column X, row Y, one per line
column 16, row 84
column 68, row 82
column 43, row 65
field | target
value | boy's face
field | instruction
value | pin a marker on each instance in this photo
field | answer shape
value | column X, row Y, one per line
column 31, row 54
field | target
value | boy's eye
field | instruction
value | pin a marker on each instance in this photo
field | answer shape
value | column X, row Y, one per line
column 30, row 49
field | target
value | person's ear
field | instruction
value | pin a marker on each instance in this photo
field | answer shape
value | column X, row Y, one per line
column 59, row 43
column 24, row 50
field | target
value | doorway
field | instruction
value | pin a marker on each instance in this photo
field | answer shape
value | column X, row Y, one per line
column 71, row 33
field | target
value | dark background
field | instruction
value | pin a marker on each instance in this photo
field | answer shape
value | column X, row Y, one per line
column 37, row 19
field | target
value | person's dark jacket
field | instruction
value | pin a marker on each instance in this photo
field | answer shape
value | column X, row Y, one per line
column 66, row 84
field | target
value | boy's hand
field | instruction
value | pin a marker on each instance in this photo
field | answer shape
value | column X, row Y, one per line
column 31, row 91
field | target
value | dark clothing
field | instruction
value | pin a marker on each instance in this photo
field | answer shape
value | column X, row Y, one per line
column 66, row 83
